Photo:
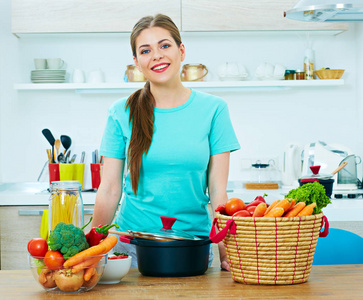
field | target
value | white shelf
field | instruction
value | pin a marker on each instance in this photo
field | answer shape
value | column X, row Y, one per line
column 208, row 85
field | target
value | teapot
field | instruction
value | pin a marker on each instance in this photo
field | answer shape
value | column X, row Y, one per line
column 193, row 72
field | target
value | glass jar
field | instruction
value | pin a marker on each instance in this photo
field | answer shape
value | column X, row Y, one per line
column 300, row 75
column 289, row 74
column 65, row 204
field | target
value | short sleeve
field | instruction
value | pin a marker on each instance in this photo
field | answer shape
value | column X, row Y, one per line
column 222, row 135
column 113, row 142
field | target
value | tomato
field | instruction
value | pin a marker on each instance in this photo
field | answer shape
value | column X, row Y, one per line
column 242, row 213
column 221, row 209
column 251, row 209
column 233, row 205
column 37, row 247
column 54, row 260
column 119, row 255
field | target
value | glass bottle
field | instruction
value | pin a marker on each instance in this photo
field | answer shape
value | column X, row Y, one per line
column 309, row 64
column 65, row 204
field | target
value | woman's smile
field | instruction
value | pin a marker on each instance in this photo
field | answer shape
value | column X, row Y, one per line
column 159, row 68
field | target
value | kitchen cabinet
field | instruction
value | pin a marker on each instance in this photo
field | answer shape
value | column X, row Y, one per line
column 18, row 225
column 87, row 16
column 66, row 16
column 231, row 15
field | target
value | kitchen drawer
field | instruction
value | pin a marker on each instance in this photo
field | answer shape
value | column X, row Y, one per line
column 66, row 16
column 18, row 225
column 230, row 15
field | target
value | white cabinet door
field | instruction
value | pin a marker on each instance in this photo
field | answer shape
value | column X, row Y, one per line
column 230, row 15
column 50, row 16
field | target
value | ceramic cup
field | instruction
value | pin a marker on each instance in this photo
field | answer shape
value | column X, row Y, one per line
column 95, row 76
column 78, row 76
column 40, row 63
column 55, row 63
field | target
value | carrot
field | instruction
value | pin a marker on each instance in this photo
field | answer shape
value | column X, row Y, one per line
column 273, row 204
column 275, row 212
column 102, row 248
column 89, row 273
column 307, row 211
column 260, row 210
column 293, row 202
column 295, row 210
column 85, row 264
column 285, row 204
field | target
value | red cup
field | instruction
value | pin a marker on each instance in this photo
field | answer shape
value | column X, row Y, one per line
column 96, row 175
column 53, row 172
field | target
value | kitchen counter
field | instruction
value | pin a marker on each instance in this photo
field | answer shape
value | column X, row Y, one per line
column 35, row 193
column 325, row 282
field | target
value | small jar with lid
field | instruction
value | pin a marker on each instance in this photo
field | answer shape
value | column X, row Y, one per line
column 300, row 75
column 289, row 74
column 65, row 204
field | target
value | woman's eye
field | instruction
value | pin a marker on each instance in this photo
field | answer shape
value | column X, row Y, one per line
column 165, row 46
column 145, row 51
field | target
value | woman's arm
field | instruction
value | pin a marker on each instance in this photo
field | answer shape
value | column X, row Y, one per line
column 109, row 191
column 217, row 187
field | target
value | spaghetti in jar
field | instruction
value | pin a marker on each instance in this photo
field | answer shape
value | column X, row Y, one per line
column 65, row 204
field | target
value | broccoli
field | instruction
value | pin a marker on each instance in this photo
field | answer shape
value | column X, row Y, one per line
column 68, row 239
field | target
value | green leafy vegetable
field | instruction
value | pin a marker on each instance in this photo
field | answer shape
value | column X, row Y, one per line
column 309, row 193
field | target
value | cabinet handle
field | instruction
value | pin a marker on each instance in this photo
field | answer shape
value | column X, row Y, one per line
column 25, row 212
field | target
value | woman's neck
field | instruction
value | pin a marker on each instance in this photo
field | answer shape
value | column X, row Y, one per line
column 169, row 96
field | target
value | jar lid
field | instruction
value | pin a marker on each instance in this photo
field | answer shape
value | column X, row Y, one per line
column 298, row 71
column 65, row 185
column 287, row 72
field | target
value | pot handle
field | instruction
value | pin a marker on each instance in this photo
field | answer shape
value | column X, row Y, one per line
column 325, row 223
column 128, row 240
column 216, row 238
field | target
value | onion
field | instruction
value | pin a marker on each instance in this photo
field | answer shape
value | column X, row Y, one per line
column 46, row 279
column 67, row 281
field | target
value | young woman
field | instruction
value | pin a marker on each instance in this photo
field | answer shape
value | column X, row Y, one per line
column 174, row 141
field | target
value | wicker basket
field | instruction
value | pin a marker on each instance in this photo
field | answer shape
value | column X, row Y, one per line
column 270, row 250
column 329, row 73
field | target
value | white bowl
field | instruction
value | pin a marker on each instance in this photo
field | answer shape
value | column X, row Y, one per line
column 115, row 270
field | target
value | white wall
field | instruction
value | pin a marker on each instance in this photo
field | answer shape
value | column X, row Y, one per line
column 264, row 120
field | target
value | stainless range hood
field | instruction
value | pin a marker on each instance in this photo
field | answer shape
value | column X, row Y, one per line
column 327, row 11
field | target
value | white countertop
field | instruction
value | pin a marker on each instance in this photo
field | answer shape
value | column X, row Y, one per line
column 32, row 194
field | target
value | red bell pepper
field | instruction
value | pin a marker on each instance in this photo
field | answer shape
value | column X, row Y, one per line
column 99, row 233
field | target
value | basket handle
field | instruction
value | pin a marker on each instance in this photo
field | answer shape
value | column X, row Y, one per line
column 325, row 223
column 216, row 238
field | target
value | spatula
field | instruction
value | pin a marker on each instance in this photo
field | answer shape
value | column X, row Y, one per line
column 50, row 138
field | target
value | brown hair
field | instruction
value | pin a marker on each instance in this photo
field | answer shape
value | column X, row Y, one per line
column 141, row 102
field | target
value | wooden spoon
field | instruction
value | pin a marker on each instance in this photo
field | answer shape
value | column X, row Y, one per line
column 57, row 145
column 339, row 168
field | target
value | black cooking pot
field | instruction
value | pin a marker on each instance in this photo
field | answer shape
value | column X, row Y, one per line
column 171, row 258
column 327, row 183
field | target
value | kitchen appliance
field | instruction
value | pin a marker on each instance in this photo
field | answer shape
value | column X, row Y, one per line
column 326, row 11
column 291, row 165
column 179, row 256
column 193, row 72
column 329, row 157
column 263, row 176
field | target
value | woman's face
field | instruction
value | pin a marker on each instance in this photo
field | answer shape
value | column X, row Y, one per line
column 158, row 56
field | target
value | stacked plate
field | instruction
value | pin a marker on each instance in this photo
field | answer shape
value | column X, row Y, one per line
column 48, row 76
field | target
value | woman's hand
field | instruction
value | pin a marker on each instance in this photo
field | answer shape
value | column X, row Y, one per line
column 223, row 257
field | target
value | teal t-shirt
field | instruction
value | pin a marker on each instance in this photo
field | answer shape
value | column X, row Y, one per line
column 173, row 175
